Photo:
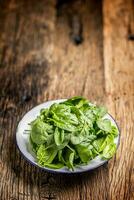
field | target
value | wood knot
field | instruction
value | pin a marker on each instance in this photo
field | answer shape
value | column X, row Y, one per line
column 131, row 37
column 116, row 98
column 76, row 30
column 25, row 98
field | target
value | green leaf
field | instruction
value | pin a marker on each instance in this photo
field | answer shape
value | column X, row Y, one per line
column 90, row 115
column 76, row 139
column 109, row 151
column 101, row 111
column 62, row 114
column 54, row 166
column 32, row 145
column 84, row 152
column 64, row 125
column 77, row 101
column 91, row 137
column 59, row 108
column 69, row 158
column 68, row 117
column 50, row 139
column 58, row 136
column 60, row 156
column 44, row 113
column 105, row 125
column 72, row 133
column 79, row 114
column 46, row 155
column 101, row 143
column 114, row 131
column 39, row 131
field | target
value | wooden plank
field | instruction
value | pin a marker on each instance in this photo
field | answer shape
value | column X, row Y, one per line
column 24, row 75
column 40, row 61
column 50, row 51
column 119, row 84
column 79, row 71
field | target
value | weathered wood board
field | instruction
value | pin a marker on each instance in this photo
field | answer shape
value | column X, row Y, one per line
column 58, row 49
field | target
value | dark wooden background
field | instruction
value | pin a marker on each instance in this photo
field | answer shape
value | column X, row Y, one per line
column 57, row 49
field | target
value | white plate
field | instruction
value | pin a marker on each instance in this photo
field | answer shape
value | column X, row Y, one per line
column 22, row 138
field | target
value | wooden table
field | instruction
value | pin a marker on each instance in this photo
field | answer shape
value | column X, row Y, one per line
column 51, row 50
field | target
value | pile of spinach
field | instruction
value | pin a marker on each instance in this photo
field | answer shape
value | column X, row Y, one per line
column 72, row 133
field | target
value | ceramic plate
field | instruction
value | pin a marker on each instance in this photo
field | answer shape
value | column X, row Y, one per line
column 22, row 138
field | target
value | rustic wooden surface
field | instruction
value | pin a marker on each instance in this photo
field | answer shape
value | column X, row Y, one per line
column 51, row 50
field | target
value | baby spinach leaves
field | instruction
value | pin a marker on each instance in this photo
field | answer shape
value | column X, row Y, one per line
column 46, row 155
column 40, row 131
column 109, row 150
column 72, row 133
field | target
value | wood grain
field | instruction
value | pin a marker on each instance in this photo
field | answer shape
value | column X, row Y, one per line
column 119, row 84
column 58, row 49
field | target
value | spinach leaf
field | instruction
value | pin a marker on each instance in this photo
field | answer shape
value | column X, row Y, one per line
column 101, row 143
column 64, row 125
column 84, row 152
column 58, row 136
column 60, row 156
column 100, row 111
column 76, row 101
column 69, row 158
column 76, row 139
column 54, row 166
column 40, row 131
column 105, row 125
column 72, row 133
column 46, row 155
column 114, row 131
column 109, row 151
